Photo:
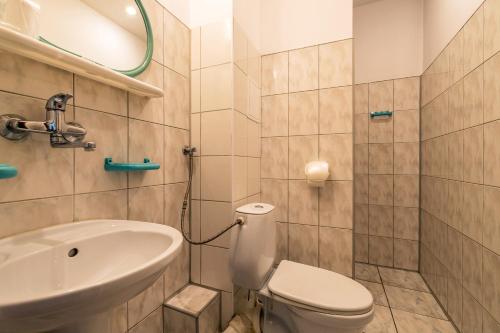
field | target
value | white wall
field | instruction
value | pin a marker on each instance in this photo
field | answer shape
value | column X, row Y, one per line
column 442, row 20
column 248, row 14
column 388, row 40
column 290, row 24
column 179, row 8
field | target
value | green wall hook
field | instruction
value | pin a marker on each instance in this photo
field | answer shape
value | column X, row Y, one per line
column 109, row 165
column 380, row 114
column 7, row 171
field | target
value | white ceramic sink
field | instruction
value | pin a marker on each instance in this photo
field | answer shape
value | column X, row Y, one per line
column 43, row 287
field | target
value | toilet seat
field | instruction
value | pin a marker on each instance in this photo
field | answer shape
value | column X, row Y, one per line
column 319, row 290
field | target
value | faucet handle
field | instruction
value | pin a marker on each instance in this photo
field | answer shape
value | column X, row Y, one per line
column 58, row 102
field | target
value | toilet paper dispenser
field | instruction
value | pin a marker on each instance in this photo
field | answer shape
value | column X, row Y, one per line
column 317, row 173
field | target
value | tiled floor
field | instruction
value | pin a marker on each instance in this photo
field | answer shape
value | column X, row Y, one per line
column 403, row 303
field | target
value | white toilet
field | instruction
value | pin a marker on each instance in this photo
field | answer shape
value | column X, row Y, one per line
column 296, row 297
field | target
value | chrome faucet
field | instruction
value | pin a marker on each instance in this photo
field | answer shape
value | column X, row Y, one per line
column 62, row 134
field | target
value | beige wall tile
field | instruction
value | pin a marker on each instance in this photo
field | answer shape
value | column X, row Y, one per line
column 215, row 179
column 406, row 224
column 175, row 165
column 406, row 158
column 216, row 88
column 217, row 133
column 491, row 154
column 281, row 242
column 98, row 96
column 255, row 102
column 176, row 99
column 176, row 42
column 146, row 204
column 407, row 93
column 176, row 321
column 176, row 275
column 381, row 96
column 239, row 178
column 335, row 110
column 109, row 132
column 28, row 77
column 361, row 248
column 406, row 190
column 381, row 158
column 145, row 108
column 361, row 219
column 456, row 155
column 240, row 88
column 253, row 132
column 491, row 226
column 153, row 323
column 274, row 163
column 336, row 149
column 303, row 244
column 335, row 64
column 254, row 64
column 139, row 148
column 490, row 325
column 473, row 98
column 406, row 126
column 215, row 268
column 472, row 313
column 473, row 211
column 196, row 48
column 361, row 98
column 335, row 204
column 381, row 189
column 456, row 54
column 456, row 107
column 473, row 41
column 361, row 128
column 101, row 205
column 380, row 130
column 48, row 212
column 253, row 180
column 275, row 74
column 302, row 203
column 472, row 264
column 275, row 192
column 381, row 251
column 216, row 43
column 240, row 47
column 381, row 220
column 492, row 89
column 174, row 196
column 143, row 304
column 491, row 28
column 361, row 189
column 361, row 159
column 491, row 276
column 240, row 134
column 195, row 132
column 216, row 216
column 335, row 250
column 303, row 69
column 275, row 115
column 195, row 91
column 406, row 254
column 301, row 150
column 473, row 149
column 303, row 113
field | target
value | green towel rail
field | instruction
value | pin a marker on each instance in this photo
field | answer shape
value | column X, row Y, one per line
column 109, row 165
column 7, row 171
column 381, row 114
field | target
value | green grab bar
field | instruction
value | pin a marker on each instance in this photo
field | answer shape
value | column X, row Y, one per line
column 109, row 165
column 381, row 114
column 7, row 171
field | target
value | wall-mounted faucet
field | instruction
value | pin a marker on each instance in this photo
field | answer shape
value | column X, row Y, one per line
column 62, row 134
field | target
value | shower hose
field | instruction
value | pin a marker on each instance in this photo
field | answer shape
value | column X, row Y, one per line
column 189, row 151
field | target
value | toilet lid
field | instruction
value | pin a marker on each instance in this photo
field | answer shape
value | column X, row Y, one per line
column 319, row 288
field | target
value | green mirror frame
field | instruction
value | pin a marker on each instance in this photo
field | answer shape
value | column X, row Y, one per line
column 149, row 46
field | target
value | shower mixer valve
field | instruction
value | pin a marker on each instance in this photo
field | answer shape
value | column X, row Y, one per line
column 62, row 134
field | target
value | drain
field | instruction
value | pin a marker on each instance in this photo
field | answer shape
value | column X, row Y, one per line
column 73, row 252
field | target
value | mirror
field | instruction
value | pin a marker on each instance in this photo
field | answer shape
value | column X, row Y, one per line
column 114, row 33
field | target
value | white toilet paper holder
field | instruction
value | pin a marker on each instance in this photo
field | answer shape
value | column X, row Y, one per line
column 317, row 173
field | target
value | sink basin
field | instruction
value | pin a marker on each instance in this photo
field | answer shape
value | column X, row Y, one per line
column 66, row 278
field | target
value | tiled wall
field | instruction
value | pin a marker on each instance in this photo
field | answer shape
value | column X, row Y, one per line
column 460, row 202
column 307, row 115
column 225, row 106
column 386, row 167
column 63, row 185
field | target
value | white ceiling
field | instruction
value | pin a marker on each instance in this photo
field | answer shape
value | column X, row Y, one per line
column 363, row 2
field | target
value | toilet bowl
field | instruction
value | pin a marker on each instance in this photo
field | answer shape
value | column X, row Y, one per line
column 302, row 298
column 296, row 298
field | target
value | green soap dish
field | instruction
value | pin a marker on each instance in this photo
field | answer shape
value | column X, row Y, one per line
column 109, row 165
column 7, row 171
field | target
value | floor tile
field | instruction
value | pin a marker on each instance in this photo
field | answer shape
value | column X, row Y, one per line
column 414, row 301
column 414, row 323
column 377, row 291
column 382, row 321
column 367, row 272
column 403, row 279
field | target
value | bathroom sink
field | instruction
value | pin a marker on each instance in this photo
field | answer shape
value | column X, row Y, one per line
column 66, row 278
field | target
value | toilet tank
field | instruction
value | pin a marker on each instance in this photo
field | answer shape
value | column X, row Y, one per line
column 253, row 245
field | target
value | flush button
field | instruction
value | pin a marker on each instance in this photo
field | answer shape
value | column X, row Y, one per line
column 73, row 252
